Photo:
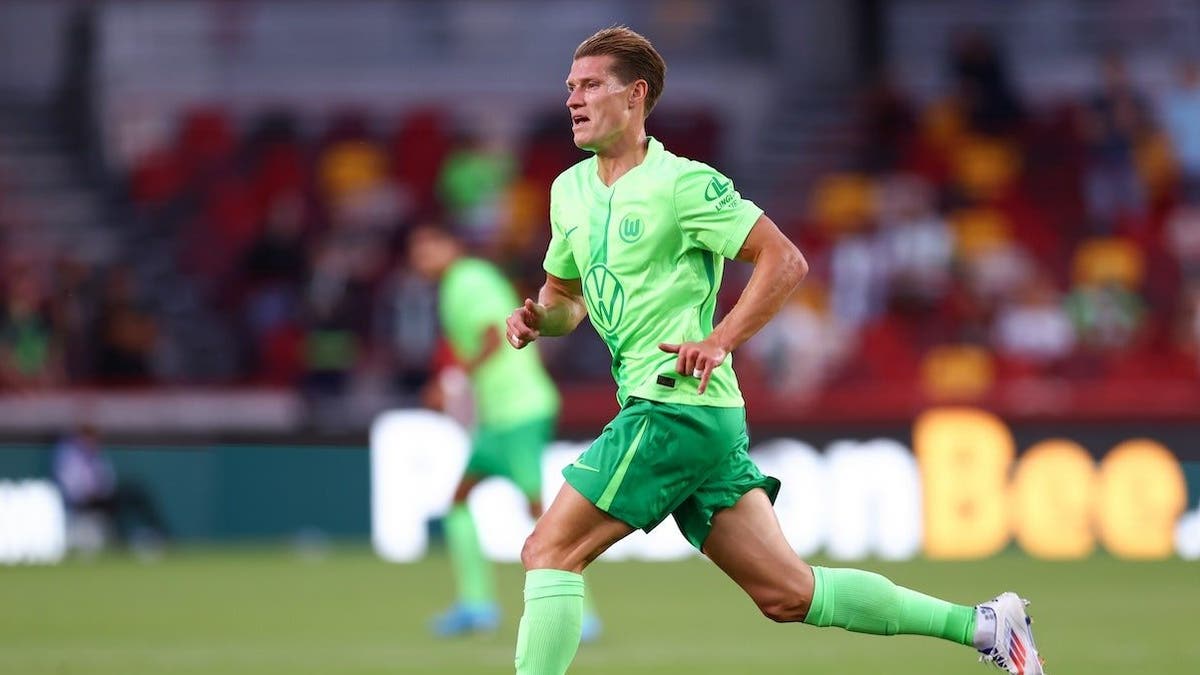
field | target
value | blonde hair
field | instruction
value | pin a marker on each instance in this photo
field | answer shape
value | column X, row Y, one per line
column 634, row 58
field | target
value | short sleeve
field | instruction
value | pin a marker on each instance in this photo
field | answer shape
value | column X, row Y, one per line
column 560, row 260
column 710, row 211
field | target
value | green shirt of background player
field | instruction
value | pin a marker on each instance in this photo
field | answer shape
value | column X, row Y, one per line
column 638, row 241
column 516, row 408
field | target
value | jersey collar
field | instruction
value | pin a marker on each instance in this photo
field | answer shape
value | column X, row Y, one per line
column 654, row 148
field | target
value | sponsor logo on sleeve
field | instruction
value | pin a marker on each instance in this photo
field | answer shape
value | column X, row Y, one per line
column 721, row 192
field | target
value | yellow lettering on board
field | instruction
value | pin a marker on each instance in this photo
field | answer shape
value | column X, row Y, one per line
column 1142, row 493
column 1053, row 491
column 964, row 455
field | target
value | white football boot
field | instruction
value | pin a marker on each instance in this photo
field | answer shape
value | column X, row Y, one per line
column 1013, row 649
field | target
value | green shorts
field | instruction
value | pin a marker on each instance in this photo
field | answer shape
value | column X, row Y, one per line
column 656, row 459
column 513, row 452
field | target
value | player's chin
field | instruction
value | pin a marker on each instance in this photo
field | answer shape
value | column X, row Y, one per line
column 583, row 140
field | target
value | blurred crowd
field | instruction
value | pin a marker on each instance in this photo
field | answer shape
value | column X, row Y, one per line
column 980, row 238
column 68, row 323
column 976, row 238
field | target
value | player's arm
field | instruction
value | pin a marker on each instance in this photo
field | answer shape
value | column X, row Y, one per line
column 488, row 346
column 559, row 309
column 778, row 269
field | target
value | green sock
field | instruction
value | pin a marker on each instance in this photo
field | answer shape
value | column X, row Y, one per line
column 472, row 572
column 865, row 602
column 549, row 632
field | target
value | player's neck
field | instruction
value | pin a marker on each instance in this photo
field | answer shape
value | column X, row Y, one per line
column 616, row 160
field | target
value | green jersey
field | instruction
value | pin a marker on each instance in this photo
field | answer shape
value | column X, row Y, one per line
column 650, row 251
column 511, row 387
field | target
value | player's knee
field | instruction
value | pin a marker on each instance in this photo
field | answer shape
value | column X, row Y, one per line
column 538, row 553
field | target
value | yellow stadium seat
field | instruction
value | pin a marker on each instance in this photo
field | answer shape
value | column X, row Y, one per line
column 957, row 372
column 1104, row 260
column 349, row 167
column 985, row 167
column 978, row 231
column 842, row 202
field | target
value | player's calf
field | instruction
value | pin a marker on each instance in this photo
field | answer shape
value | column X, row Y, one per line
column 786, row 602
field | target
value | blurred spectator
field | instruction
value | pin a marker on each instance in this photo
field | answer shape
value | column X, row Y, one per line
column 1183, row 238
column 72, row 312
column 29, row 353
column 89, row 485
column 278, row 255
column 982, row 84
column 473, row 184
column 338, row 315
column 917, row 243
column 1034, row 327
column 803, row 346
column 858, row 281
column 126, row 335
column 1181, row 120
column 274, row 270
column 1107, row 317
column 994, row 264
column 1189, row 323
column 889, row 124
column 1112, row 122
column 406, row 329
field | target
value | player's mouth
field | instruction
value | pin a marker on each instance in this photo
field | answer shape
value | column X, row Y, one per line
column 578, row 121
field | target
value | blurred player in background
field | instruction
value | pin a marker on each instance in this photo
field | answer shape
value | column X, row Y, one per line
column 638, row 241
column 516, row 410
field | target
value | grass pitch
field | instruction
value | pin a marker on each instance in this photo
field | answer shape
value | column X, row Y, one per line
column 271, row 611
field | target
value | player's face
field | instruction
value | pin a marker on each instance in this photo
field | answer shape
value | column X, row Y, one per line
column 428, row 254
column 600, row 105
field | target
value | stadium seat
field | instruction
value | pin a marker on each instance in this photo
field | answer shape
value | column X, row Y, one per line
column 1109, row 260
column 979, row 231
column 984, row 168
column 957, row 372
column 348, row 167
column 842, row 202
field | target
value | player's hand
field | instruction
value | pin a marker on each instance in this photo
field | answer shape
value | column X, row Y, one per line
column 524, row 324
column 697, row 359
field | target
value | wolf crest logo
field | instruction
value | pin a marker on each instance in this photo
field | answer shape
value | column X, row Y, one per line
column 631, row 229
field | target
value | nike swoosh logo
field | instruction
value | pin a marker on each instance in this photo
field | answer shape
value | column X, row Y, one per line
column 716, row 189
column 580, row 465
column 567, row 233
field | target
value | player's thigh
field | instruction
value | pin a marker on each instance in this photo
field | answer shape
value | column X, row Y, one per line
column 571, row 534
column 747, row 543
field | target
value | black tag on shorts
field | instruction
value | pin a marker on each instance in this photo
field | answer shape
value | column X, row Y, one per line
column 666, row 381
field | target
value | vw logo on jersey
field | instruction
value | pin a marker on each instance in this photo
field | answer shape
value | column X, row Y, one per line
column 631, row 229
column 605, row 298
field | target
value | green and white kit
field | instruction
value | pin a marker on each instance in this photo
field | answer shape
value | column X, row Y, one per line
column 649, row 251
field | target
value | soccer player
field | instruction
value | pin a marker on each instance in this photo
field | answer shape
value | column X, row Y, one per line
column 638, row 242
column 516, row 409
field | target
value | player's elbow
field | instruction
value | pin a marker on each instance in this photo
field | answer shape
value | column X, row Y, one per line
column 794, row 265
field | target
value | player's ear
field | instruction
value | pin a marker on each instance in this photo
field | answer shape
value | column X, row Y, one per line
column 638, row 92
